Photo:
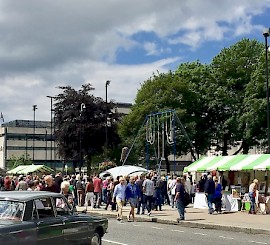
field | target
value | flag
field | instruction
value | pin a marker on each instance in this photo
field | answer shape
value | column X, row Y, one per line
column 2, row 117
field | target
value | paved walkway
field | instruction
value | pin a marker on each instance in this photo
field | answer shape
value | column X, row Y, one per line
column 199, row 218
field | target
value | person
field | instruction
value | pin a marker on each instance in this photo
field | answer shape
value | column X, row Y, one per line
column 209, row 190
column 89, row 193
column 110, row 188
column 217, row 195
column 187, row 183
column 139, row 183
column 97, row 191
column 37, row 185
column 22, row 185
column 157, row 193
column 31, row 186
column 132, row 196
column 171, row 190
column 252, row 195
column 148, row 190
column 193, row 191
column 201, row 183
column 164, row 191
column 104, row 189
column 64, row 189
column 80, row 190
column 73, row 182
column 7, row 183
column 49, row 184
column 119, row 195
column 179, row 197
column 58, row 180
column 1, row 183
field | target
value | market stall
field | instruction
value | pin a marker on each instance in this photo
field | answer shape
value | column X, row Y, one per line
column 126, row 170
column 235, row 173
column 29, row 169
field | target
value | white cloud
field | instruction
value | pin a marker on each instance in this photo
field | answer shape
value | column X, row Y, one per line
column 45, row 44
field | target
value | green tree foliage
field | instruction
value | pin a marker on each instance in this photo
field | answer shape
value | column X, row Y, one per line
column 219, row 104
column 234, row 70
column 160, row 93
column 199, row 118
column 14, row 161
column 80, row 120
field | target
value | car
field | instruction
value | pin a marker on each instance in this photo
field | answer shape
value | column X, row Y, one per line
column 40, row 217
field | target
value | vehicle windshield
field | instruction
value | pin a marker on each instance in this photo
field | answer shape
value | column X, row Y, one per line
column 10, row 210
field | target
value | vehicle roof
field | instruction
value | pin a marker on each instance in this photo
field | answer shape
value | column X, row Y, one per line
column 24, row 196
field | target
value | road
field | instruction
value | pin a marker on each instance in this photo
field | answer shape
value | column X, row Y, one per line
column 134, row 233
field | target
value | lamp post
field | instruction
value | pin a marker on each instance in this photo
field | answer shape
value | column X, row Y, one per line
column 106, row 124
column 46, row 146
column 80, row 136
column 266, row 33
column 51, row 98
column 34, row 131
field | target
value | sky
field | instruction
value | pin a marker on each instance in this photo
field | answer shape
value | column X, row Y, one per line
column 47, row 44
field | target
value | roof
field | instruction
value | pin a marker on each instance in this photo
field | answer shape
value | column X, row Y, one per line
column 24, row 196
column 231, row 163
column 124, row 171
column 25, row 169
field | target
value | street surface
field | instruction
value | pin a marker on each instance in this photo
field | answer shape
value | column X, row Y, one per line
column 134, row 233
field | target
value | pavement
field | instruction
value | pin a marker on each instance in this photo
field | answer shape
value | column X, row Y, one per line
column 198, row 218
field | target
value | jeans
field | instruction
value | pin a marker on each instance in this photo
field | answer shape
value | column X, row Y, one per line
column 148, row 202
column 97, row 199
column 252, row 201
column 104, row 195
column 140, row 203
column 181, row 209
column 218, row 204
column 210, row 200
column 172, row 200
column 158, row 199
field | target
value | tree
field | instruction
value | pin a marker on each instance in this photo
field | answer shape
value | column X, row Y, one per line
column 14, row 161
column 199, row 118
column 160, row 93
column 80, row 120
column 233, row 69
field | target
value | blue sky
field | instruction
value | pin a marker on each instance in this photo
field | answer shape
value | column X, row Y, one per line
column 46, row 44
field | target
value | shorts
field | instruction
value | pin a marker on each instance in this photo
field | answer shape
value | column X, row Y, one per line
column 133, row 202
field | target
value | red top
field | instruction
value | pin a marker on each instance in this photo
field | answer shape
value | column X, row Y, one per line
column 97, row 184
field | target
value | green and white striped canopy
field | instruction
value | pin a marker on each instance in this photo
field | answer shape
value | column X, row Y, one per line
column 230, row 163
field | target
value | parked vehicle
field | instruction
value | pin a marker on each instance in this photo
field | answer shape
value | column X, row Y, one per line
column 39, row 217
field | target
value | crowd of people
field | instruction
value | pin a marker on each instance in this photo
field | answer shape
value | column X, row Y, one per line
column 143, row 193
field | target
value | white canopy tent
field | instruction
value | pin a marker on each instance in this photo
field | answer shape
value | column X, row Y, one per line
column 126, row 170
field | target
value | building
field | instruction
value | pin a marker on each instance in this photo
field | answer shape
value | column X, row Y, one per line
column 123, row 108
column 35, row 140
column 20, row 137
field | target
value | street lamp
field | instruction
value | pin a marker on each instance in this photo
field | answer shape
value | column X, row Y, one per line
column 80, row 136
column 34, row 131
column 46, row 146
column 51, row 98
column 106, row 124
column 266, row 33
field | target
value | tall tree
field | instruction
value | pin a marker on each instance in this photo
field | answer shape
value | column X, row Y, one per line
column 80, row 120
column 233, row 69
column 160, row 93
